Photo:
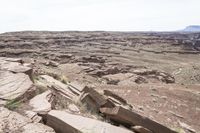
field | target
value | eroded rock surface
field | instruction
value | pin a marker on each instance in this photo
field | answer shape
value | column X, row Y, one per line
column 15, row 86
column 42, row 103
column 12, row 122
column 64, row 122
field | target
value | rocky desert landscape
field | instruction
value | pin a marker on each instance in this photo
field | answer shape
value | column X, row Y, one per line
column 99, row 82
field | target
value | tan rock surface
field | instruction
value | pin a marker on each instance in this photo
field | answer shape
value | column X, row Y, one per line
column 12, row 122
column 69, row 123
column 15, row 86
column 14, row 65
column 42, row 103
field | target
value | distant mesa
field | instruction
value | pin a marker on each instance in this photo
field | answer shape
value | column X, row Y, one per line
column 192, row 28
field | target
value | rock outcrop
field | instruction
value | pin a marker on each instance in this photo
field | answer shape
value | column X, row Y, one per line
column 15, row 80
column 12, row 122
column 15, row 86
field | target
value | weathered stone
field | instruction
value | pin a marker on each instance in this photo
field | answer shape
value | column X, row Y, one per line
column 12, row 59
column 140, row 80
column 93, row 58
column 42, row 103
column 126, row 117
column 36, row 128
column 117, row 100
column 77, row 87
column 33, row 116
column 58, row 87
column 104, row 71
column 15, row 86
column 114, row 79
column 52, row 63
column 187, row 127
column 73, row 108
column 161, row 76
column 140, row 129
column 12, row 122
column 64, row 122
column 115, row 96
column 14, row 66
column 94, row 100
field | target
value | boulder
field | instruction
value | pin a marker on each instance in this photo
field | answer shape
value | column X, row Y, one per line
column 42, row 103
column 64, row 122
column 33, row 116
column 129, row 118
column 15, row 86
column 12, row 122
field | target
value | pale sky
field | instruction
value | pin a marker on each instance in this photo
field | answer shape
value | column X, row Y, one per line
column 89, row 15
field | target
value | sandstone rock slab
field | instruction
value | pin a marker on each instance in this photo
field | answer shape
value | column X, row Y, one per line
column 126, row 117
column 15, row 86
column 58, row 87
column 64, row 122
column 42, row 103
column 33, row 116
column 14, row 65
column 12, row 122
column 94, row 100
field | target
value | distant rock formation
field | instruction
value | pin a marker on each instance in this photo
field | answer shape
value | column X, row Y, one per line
column 192, row 28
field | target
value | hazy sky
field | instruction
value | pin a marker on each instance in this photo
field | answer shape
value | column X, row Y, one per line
column 112, row 15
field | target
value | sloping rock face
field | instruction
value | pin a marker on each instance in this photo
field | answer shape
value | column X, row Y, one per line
column 64, row 122
column 12, row 122
column 15, row 86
